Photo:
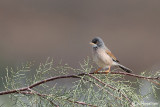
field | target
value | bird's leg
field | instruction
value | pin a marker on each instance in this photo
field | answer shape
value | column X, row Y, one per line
column 107, row 71
column 98, row 70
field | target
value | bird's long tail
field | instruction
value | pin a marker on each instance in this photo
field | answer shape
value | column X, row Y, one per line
column 125, row 68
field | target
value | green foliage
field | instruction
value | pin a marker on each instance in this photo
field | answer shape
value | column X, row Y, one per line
column 113, row 90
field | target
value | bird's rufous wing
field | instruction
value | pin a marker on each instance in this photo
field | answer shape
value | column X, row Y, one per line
column 111, row 55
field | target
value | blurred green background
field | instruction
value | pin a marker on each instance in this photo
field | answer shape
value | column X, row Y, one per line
column 62, row 29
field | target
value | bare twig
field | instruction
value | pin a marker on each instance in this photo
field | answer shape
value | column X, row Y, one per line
column 28, row 90
column 99, row 86
column 110, row 87
column 73, row 76
column 82, row 103
column 37, row 83
column 130, row 74
column 32, row 92
column 108, row 92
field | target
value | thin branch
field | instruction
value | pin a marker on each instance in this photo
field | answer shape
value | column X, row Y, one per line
column 37, row 83
column 154, row 82
column 99, row 86
column 108, row 92
column 78, row 102
column 73, row 76
column 82, row 103
column 111, row 88
column 28, row 90
column 130, row 74
column 45, row 95
column 32, row 92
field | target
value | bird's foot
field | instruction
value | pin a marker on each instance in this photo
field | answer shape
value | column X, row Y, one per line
column 97, row 70
column 107, row 71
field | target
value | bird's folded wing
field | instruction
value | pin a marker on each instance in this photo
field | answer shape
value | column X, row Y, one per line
column 111, row 55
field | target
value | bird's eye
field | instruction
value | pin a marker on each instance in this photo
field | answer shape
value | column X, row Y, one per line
column 95, row 41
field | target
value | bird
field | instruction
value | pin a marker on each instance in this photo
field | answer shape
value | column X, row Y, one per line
column 103, row 57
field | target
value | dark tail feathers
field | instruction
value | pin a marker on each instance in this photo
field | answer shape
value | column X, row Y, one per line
column 125, row 68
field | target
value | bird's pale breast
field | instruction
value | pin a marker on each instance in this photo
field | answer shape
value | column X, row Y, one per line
column 101, row 58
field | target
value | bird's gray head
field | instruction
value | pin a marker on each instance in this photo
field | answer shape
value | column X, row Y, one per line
column 97, row 42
